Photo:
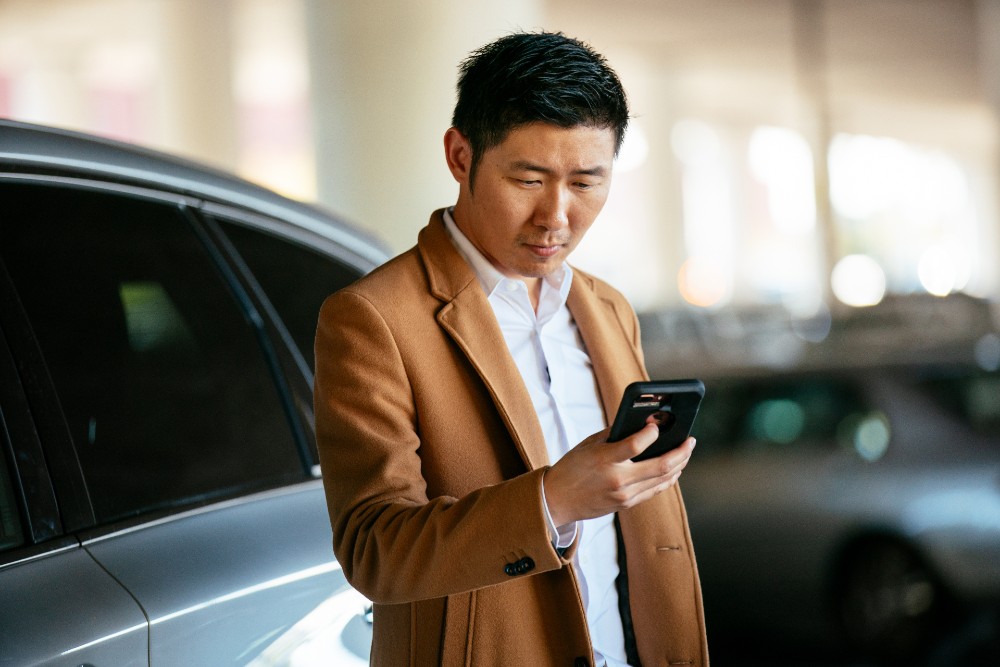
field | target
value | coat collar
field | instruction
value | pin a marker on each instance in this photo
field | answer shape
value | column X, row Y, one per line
column 468, row 318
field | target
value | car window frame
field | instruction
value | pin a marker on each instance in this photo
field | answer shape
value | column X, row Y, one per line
column 34, row 494
column 297, row 369
column 286, row 356
column 213, row 212
column 45, row 460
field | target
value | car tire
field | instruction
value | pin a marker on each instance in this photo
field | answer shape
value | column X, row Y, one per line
column 890, row 604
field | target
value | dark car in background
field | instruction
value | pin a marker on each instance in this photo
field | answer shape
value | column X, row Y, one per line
column 160, row 501
column 844, row 498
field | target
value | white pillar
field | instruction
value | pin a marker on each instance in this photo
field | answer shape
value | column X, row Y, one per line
column 654, row 98
column 383, row 76
column 196, row 115
column 988, row 23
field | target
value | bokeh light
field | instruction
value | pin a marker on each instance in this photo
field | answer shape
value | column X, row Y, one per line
column 871, row 437
column 858, row 280
column 778, row 420
column 703, row 282
column 987, row 352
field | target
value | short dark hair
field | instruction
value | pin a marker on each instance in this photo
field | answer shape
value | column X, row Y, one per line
column 529, row 77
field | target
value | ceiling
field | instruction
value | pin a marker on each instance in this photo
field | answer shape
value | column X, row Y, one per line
column 927, row 69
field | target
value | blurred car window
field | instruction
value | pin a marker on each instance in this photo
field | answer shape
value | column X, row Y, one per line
column 754, row 415
column 296, row 295
column 132, row 315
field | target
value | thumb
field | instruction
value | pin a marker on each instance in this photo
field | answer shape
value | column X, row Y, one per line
column 635, row 444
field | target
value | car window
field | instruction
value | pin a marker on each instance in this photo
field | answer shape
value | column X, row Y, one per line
column 780, row 413
column 296, row 294
column 167, row 395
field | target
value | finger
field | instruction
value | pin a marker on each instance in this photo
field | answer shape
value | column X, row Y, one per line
column 661, row 469
column 597, row 438
column 666, row 463
column 651, row 489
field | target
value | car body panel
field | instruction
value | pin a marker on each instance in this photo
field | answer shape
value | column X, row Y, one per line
column 67, row 594
column 193, row 576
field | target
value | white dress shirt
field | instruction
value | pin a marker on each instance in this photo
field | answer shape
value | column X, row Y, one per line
column 558, row 373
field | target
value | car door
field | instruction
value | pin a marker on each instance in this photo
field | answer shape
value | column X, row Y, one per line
column 199, row 477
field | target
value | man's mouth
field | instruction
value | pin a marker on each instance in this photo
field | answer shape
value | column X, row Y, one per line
column 544, row 250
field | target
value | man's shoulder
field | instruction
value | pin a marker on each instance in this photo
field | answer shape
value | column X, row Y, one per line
column 422, row 269
column 399, row 284
column 402, row 272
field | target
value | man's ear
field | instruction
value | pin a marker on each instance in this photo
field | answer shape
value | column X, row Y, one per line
column 458, row 154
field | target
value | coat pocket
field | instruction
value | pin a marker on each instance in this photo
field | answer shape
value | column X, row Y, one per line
column 459, row 623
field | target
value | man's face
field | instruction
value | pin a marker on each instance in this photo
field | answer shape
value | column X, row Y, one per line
column 535, row 195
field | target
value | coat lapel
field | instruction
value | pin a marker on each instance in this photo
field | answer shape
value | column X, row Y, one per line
column 468, row 318
column 615, row 360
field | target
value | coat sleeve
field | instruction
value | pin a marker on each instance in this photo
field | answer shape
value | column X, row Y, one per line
column 394, row 543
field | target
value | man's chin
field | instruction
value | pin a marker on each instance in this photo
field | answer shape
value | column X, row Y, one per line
column 542, row 269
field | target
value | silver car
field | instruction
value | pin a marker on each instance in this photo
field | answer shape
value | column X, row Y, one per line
column 160, row 501
column 847, row 502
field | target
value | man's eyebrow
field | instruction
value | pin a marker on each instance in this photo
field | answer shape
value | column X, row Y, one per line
column 524, row 165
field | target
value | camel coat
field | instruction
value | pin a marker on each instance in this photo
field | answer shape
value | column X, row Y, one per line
column 432, row 460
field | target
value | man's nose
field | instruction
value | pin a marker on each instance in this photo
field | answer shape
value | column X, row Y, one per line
column 553, row 209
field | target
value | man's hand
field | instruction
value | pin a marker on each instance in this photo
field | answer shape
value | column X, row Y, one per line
column 597, row 477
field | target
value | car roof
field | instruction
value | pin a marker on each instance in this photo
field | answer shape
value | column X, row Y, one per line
column 28, row 148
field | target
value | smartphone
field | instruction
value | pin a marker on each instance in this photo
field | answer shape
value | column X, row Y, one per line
column 671, row 404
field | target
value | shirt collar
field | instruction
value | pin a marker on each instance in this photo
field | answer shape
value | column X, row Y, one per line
column 489, row 277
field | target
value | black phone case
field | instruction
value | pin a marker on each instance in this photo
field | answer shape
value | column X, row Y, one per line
column 672, row 403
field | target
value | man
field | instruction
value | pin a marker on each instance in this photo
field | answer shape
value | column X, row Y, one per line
column 454, row 384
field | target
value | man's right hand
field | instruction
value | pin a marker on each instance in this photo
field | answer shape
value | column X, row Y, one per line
column 598, row 477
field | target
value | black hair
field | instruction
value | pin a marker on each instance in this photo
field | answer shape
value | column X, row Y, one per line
column 529, row 77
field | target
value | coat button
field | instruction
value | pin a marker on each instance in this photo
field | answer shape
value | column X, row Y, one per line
column 519, row 567
column 581, row 662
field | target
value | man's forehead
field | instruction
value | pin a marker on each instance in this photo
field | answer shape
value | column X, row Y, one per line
column 537, row 144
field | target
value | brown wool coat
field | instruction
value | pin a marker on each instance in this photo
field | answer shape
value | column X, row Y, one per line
column 432, row 461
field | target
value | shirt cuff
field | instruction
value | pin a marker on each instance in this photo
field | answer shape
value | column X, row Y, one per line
column 561, row 536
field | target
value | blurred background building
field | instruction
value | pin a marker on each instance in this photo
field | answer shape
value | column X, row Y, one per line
column 806, row 155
